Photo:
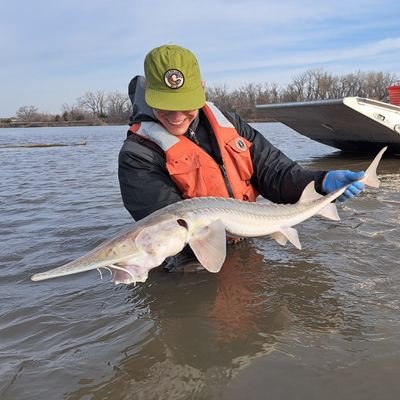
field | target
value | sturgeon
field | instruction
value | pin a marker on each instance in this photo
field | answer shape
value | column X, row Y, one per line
column 203, row 223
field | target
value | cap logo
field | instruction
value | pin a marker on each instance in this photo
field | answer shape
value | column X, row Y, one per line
column 174, row 79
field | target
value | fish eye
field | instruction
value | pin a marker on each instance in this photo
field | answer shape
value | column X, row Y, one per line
column 183, row 223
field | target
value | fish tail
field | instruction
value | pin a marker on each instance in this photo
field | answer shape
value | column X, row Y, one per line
column 370, row 178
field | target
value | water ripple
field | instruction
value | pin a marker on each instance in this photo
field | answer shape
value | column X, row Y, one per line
column 329, row 310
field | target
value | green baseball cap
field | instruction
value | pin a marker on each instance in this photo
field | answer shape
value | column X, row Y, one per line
column 173, row 80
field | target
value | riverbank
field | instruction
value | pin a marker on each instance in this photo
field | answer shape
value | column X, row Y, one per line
column 40, row 124
column 19, row 124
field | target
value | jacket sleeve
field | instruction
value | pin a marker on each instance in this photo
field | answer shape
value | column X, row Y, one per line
column 145, row 184
column 276, row 177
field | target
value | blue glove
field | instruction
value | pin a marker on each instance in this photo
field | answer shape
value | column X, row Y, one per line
column 335, row 180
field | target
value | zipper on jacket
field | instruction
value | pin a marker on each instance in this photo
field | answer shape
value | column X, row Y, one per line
column 194, row 139
column 226, row 180
column 193, row 136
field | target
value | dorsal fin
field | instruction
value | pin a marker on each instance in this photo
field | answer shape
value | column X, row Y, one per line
column 309, row 193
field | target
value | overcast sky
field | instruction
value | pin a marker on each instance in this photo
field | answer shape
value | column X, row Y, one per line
column 52, row 52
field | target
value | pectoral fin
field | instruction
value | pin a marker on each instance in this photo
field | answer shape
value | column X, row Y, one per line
column 209, row 245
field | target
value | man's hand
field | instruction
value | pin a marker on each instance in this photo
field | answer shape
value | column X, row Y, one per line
column 335, row 180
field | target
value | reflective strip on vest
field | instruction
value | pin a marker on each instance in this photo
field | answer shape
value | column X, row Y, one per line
column 157, row 134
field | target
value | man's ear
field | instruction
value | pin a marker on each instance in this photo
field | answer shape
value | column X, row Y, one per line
column 203, row 84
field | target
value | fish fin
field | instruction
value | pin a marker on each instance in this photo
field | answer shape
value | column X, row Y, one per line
column 209, row 245
column 291, row 235
column 309, row 193
column 370, row 178
column 330, row 212
column 280, row 238
column 285, row 235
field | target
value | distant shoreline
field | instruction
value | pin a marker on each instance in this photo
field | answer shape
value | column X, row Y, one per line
column 56, row 124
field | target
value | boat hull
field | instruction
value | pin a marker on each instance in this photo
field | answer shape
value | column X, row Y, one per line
column 351, row 124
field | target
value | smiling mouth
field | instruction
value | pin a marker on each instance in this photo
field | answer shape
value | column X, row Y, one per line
column 176, row 123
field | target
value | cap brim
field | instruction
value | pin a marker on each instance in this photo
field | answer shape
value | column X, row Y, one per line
column 176, row 100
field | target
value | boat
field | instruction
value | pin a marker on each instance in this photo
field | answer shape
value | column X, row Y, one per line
column 351, row 124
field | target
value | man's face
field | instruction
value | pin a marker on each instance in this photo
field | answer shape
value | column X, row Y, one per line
column 176, row 122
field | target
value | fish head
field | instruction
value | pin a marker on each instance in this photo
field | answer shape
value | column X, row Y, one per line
column 131, row 254
column 153, row 244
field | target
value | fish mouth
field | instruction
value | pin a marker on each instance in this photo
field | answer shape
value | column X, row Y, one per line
column 128, row 274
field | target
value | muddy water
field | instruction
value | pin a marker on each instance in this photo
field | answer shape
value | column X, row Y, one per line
column 278, row 323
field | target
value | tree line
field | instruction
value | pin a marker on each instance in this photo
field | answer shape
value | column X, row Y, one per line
column 92, row 108
column 313, row 84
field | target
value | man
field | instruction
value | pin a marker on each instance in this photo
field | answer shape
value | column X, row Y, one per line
column 179, row 146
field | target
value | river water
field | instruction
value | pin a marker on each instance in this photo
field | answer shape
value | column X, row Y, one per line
column 276, row 322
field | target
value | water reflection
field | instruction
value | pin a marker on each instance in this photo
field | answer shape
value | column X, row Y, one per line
column 338, row 160
column 326, row 314
column 208, row 327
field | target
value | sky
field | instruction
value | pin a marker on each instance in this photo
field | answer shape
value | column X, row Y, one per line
column 52, row 52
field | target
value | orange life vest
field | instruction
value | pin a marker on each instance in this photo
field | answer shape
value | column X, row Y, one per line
column 194, row 171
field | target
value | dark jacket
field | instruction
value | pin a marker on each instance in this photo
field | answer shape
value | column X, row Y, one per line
column 146, row 185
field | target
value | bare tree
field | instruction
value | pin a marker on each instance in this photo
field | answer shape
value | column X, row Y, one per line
column 268, row 93
column 73, row 113
column 220, row 96
column 94, row 102
column 27, row 113
column 376, row 83
column 118, row 106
